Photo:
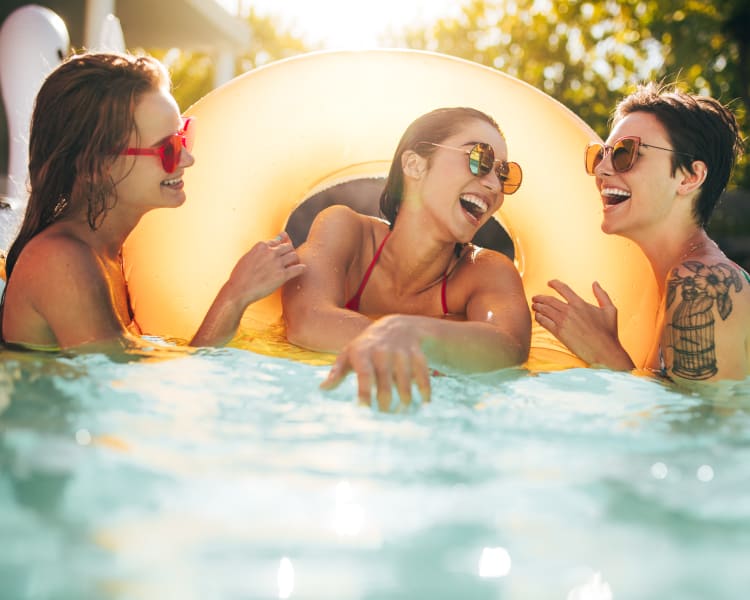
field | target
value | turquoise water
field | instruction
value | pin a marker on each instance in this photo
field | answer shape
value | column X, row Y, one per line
column 227, row 474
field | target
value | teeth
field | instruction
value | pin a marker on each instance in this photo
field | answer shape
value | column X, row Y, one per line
column 476, row 201
column 615, row 192
column 171, row 181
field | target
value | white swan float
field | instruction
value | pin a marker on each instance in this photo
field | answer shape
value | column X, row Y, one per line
column 33, row 41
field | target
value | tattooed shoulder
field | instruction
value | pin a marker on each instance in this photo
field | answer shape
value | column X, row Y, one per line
column 700, row 292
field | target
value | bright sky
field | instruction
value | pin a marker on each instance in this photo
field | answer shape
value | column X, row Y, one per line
column 347, row 23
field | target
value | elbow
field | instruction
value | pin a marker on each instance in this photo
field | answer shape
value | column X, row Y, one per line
column 296, row 336
column 522, row 352
column 517, row 351
column 297, row 329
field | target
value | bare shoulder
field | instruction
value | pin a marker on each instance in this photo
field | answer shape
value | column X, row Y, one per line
column 47, row 291
column 707, row 319
column 338, row 219
column 710, row 280
column 52, row 257
column 342, row 230
column 489, row 278
column 480, row 262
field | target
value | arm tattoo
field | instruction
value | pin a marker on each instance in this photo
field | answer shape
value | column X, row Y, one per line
column 692, row 328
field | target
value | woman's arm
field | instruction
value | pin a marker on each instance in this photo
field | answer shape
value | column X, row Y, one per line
column 257, row 274
column 61, row 295
column 396, row 350
column 313, row 303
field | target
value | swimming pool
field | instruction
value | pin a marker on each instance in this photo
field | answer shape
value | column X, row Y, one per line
column 228, row 474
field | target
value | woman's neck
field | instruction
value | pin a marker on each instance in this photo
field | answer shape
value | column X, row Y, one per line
column 416, row 263
column 665, row 252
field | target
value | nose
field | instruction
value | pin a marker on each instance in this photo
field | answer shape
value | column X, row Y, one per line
column 186, row 159
column 605, row 164
column 492, row 182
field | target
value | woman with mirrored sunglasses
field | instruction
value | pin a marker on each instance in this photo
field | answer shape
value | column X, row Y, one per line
column 668, row 159
column 398, row 296
column 108, row 145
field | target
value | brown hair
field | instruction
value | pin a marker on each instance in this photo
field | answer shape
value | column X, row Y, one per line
column 699, row 128
column 83, row 117
column 435, row 127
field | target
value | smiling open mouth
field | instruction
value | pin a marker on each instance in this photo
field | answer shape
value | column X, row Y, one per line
column 473, row 205
column 172, row 182
column 612, row 196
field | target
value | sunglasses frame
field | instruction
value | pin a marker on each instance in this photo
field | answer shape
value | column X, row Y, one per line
column 170, row 151
column 482, row 159
column 605, row 150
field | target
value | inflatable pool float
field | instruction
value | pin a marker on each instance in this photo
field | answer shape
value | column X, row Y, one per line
column 279, row 134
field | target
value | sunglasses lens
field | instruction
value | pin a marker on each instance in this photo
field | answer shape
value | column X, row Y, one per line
column 481, row 159
column 594, row 155
column 623, row 154
column 188, row 132
column 510, row 175
column 170, row 152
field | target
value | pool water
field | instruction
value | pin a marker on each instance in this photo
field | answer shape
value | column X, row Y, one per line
column 228, row 474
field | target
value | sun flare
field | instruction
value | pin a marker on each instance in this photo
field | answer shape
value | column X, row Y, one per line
column 347, row 24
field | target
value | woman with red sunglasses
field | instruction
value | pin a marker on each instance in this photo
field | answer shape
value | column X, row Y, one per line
column 108, row 145
column 667, row 160
column 396, row 295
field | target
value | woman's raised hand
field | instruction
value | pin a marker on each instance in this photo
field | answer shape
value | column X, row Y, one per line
column 266, row 267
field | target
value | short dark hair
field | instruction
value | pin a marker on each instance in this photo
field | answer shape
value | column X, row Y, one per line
column 435, row 126
column 700, row 127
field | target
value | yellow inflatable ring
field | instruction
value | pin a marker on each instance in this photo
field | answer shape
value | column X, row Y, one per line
column 274, row 136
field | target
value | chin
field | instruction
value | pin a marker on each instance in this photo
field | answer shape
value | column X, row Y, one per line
column 174, row 200
column 609, row 227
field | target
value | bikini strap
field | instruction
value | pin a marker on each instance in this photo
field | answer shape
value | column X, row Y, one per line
column 443, row 293
column 444, row 286
column 353, row 303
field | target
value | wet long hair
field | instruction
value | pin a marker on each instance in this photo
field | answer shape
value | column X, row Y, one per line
column 435, row 126
column 83, row 117
column 698, row 126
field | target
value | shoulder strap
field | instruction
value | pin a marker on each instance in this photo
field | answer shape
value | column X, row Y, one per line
column 353, row 303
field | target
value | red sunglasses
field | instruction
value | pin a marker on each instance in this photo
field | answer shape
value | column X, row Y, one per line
column 171, row 149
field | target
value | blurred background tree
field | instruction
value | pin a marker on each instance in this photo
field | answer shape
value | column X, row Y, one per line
column 589, row 54
column 193, row 72
column 585, row 54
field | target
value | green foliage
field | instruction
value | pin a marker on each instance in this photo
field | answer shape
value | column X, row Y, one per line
column 589, row 54
column 269, row 42
column 193, row 72
column 586, row 54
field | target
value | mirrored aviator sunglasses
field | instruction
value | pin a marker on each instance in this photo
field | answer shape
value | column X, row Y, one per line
column 624, row 152
column 481, row 161
column 171, row 149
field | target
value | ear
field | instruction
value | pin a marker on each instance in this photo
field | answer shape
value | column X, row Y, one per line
column 690, row 182
column 413, row 165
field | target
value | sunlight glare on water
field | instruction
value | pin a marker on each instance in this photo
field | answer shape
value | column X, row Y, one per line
column 224, row 473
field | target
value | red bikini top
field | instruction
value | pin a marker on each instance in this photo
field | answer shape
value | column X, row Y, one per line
column 353, row 303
